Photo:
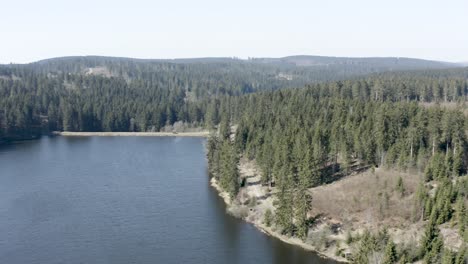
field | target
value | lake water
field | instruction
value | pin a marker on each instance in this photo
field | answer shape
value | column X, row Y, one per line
column 122, row 200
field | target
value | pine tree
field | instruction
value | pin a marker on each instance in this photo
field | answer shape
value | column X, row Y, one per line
column 284, row 211
column 431, row 243
column 461, row 256
column 224, row 128
column 229, row 179
column 268, row 218
column 420, row 201
column 308, row 172
column 448, row 257
column 266, row 163
column 435, row 254
column 461, row 215
column 302, row 206
column 404, row 259
column 457, row 161
column 214, row 156
column 400, row 186
column 391, row 255
column 366, row 246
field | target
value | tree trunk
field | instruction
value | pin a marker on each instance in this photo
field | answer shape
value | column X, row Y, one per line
column 433, row 147
column 411, row 150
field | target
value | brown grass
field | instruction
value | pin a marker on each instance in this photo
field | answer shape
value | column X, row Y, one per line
column 368, row 199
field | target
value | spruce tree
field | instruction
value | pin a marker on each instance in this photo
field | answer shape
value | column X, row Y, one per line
column 267, row 220
column 448, row 257
column 431, row 244
column 229, row 179
column 461, row 215
column 391, row 255
column 461, row 256
column 302, row 206
column 400, row 187
column 284, row 212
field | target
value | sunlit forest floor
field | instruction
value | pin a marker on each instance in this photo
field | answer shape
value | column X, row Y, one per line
column 372, row 201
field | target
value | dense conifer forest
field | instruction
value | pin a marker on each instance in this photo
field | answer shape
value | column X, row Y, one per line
column 301, row 138
column 119, row 94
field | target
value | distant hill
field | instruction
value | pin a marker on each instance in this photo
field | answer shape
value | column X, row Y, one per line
column 298, row 60
column 260, row 73
column 392, row 63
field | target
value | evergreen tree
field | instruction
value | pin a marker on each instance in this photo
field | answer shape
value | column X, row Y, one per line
column 448, row 257
column 400, row 186
column 461, row 216
column 268, row 218
column 461, row 256
column 391, row 255
column 302, row 207
column 431, row 243
column 229, row 173
column 284, row 211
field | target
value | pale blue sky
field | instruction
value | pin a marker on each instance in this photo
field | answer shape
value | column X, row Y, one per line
column 33, row 29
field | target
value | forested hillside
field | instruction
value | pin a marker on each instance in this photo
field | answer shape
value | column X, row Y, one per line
column 302, row 138
column 375, row 63
column 301, row 132
column 120, row 94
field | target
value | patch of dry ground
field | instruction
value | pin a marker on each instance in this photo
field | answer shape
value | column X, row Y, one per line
column 368, row 200
column 99, row 71
column 10, row 77
column 133, row 134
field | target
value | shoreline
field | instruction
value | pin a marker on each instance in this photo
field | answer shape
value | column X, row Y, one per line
column 131, row 134
column 270, row 232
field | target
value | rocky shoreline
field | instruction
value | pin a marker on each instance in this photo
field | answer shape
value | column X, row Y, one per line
column 253, row 212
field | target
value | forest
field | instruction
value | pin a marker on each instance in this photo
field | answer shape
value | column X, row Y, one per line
column 302, row 138
column 306, row 122
column 119, row 94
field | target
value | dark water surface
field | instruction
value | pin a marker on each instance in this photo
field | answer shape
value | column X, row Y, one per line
column 122, row 200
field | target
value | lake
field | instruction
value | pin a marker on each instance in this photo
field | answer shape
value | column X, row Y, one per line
column 122, row 200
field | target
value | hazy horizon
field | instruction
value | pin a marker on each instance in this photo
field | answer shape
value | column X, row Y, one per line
column 429, row 30
column 234, row 57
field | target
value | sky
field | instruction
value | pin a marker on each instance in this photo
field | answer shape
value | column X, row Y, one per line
column 32, row 30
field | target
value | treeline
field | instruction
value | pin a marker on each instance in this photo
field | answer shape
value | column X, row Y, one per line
column 421, row 86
